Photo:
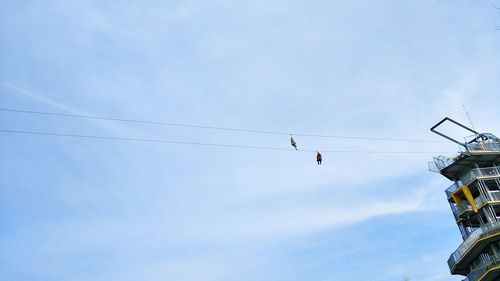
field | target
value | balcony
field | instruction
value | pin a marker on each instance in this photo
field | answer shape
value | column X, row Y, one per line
column 474, row 240
column 464, row 209
column 480, row 173
column 482, row 151
column 488, row 270
column 471, row 175
column 440, row 162
column 483, row 147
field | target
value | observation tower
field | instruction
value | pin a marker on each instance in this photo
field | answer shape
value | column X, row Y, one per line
column 474, row 199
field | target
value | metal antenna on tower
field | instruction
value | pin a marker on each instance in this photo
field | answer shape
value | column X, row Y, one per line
column 467, row 113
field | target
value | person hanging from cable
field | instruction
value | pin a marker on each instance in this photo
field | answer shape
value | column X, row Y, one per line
column 292, row 141
column 319, row 158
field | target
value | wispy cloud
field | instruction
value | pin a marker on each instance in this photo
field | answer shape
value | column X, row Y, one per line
column 42, row 99
column 116, row 127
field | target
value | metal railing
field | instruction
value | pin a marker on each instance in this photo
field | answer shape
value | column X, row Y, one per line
column 495, row 196
column 452, row 188
column 480, row 201
column 468, row 177
column 483, row 268
column 479, row 233
column 463, row 206
column 441, row 161
column 483, row 146
column 479, row 172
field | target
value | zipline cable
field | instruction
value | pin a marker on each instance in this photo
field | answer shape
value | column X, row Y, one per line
column 211, row 127
column 207, row 144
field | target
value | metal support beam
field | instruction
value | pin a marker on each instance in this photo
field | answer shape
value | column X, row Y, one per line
column 433, row 129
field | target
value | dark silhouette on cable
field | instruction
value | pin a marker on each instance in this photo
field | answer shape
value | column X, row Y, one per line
column 293, row 143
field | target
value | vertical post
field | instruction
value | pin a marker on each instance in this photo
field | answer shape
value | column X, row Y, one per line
column 484, row 190
column 491, row 214
column 494, row 248
column 463, row 231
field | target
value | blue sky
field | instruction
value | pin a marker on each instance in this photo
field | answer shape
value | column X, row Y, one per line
column 77, row 209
